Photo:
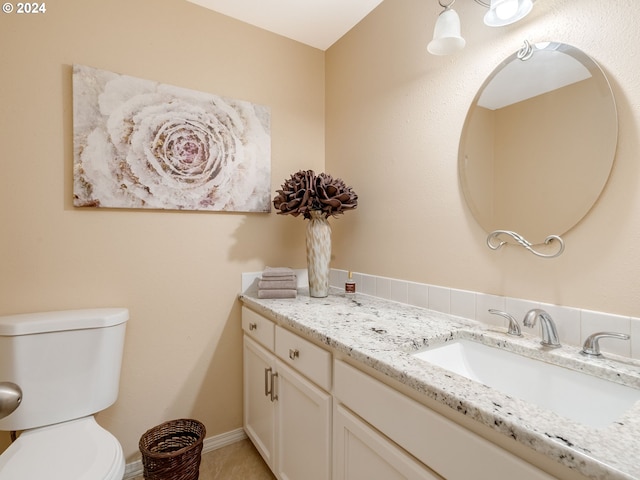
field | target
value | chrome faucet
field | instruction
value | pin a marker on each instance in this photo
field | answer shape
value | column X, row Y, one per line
column 547, row 325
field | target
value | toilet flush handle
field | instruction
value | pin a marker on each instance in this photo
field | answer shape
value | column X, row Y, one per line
column 10, row 398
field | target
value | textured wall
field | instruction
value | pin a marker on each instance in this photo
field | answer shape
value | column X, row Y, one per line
column 394, row 118
column 177, row 272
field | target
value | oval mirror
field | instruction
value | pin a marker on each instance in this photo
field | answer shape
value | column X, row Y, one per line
column 538, row 142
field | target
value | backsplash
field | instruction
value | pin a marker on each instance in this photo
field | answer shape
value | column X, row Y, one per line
column 573, row 324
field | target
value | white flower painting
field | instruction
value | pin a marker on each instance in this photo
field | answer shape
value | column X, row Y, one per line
column 142, row 144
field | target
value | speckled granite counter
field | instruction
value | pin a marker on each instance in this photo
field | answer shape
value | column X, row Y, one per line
column 383, row 334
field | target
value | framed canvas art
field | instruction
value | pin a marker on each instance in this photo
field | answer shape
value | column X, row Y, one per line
column 143, row 144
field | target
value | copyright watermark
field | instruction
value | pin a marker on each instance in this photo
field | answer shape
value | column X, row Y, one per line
column 20, row 8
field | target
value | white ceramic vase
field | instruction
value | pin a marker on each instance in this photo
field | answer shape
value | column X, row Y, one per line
column 318, row 254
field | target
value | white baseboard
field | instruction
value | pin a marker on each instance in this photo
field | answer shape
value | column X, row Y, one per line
column 134, row 469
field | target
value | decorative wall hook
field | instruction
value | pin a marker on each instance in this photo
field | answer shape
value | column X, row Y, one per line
column 495, row 236
column 525, row 52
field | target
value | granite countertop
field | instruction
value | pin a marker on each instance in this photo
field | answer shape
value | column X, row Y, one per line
column 382, row 334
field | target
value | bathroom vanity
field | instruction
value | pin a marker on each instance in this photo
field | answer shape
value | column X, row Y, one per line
column 332, row 389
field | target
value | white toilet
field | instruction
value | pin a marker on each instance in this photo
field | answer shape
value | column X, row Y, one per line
column 67, row 367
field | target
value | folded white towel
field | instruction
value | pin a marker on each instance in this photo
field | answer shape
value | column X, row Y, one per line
column 283, row 293
column 277, row 272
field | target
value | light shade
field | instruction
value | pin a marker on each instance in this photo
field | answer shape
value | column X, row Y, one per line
column 505, row 12
column 446, row 35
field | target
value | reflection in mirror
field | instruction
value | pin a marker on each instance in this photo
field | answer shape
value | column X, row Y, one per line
column 538, row 143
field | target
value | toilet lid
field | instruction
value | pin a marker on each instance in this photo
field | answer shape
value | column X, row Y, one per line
column 78, row 450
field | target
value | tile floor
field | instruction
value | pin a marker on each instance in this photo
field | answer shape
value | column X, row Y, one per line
column 238, row 461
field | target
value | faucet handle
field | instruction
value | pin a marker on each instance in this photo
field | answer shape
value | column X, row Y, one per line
column 514, row 328
column 592, row 346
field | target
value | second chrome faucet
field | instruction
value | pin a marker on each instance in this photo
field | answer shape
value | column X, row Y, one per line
column 547, row 325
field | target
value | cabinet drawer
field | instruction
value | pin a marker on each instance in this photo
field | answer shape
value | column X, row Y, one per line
column 309, row 359
column 258, row 327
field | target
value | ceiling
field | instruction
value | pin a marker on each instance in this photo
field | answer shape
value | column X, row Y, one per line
column 318, row 23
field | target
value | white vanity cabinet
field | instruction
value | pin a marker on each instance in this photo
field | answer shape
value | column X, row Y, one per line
column 287, row 410
column 445, row 447
column 310, row 421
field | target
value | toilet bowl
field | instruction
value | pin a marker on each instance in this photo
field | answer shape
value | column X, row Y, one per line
column 76, row 450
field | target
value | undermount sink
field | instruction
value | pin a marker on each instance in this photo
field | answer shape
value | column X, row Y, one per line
column 586, row 399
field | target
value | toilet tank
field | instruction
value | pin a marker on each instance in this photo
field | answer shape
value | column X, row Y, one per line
column 67, row 363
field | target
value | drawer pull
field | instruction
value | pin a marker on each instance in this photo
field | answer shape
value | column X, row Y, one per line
column 294, row 353
column 268, row 382
column 274, row 395
column 253, row 326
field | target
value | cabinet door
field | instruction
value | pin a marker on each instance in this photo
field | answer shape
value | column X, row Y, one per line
column 361, row 453
column 304, row 428
column 259, row 409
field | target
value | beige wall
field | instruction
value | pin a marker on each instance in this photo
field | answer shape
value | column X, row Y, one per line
column 394, row 117
column 177, row 272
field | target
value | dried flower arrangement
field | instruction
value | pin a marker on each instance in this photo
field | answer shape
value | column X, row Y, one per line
column 305, row 192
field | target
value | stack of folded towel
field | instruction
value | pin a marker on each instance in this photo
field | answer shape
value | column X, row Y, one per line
column 278, row 282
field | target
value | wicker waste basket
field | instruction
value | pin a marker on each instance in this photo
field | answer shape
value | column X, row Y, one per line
column 172, row 450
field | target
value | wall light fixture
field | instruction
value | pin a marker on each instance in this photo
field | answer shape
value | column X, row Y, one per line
column 447, row 38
